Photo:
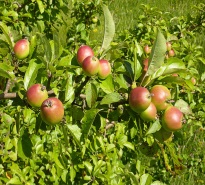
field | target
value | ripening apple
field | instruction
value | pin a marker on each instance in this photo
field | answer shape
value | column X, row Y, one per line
column 83, row 52
column 149, row 114
column 147, row 49
column 52, row 111
column 145, row 64
column 169, row 46
column 104, row 69
column 171, row 53
column 36, row 94
column 160, row 96
column 139, row 99
column 21, row 49
column 172, row 119
column 90, row 65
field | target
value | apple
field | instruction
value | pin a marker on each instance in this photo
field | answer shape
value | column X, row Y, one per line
column 145, row 64
column 90, row 65
column 52, row 111
column 169, row 46
column 150, row 113
column 172, row 119
column 21, row 49
column 171, row 53
column 139, row 99
column 36, row 94
column 83, row 52
column 94, row 19
column 104, row 69
column 160, row 96
column 193, row 81
column 147, row 49
column 163, row 135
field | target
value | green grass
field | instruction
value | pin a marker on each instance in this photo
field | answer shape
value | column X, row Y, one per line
column 126, row 12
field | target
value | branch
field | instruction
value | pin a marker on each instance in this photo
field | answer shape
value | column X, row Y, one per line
column 15, row 95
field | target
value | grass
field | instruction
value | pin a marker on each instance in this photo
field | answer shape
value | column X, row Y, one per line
column 126, row 12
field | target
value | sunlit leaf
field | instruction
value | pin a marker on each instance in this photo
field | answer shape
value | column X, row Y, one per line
column 111, row 98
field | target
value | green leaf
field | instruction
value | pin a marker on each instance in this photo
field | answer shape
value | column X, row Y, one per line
column 31, row 73
column 69, row 89
column 111, row 98
column 88, row 166
column 91, row 94
column 107, row 85
column 56, row 45
column 6, row 71
column 40, row 6
column 129, row 145
column 154, row 127
column 33, row 43
column 109, row 28
column 24, row 146
column 15, row 180
column 88, row 120
column 183, row 106
column 6, row 32
column 76, row 132
column 145, row 179
column 72, row 173
column 156, row 59
column 47, row 49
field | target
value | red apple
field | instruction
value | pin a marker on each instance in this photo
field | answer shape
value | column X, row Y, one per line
column 193, row 81
column 83, row 52
column 150, row 113
column 139, row 99
column 104, row 69
column 36, row 94
column 160, row 96
column 145, row 63
column 21, row 49
column 52, row 111
column 90, row 65
column 172, row 119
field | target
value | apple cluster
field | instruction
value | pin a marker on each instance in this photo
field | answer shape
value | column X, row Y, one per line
column 51, row 109
column 90, row 64
column 170, row 50
column 149, row 103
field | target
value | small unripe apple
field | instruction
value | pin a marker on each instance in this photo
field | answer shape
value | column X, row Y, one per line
column 21, row 49
column 171, row 53
column 36, row 94
column 83, row 52
column 145, row 63
column 104, row 69
column 172, row 119
column 139, row 99
column 147, row 49
column 52, row 111
column 90, row 65
column 94, row 19
column 160, row 96
column 193, row 80
column 169, row 46
column 150, row 113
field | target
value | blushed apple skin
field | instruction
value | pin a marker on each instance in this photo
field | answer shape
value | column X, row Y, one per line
column 139, row 99
column 104, row 68
column 52, row 111
column 36, row 94
column 160, row 95
column 21, row 49
column 90, row 65
column 172, row 119
column 150, row 113
column 83, row 52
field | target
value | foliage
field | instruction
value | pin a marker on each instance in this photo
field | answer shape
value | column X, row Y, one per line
column 100, row 140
